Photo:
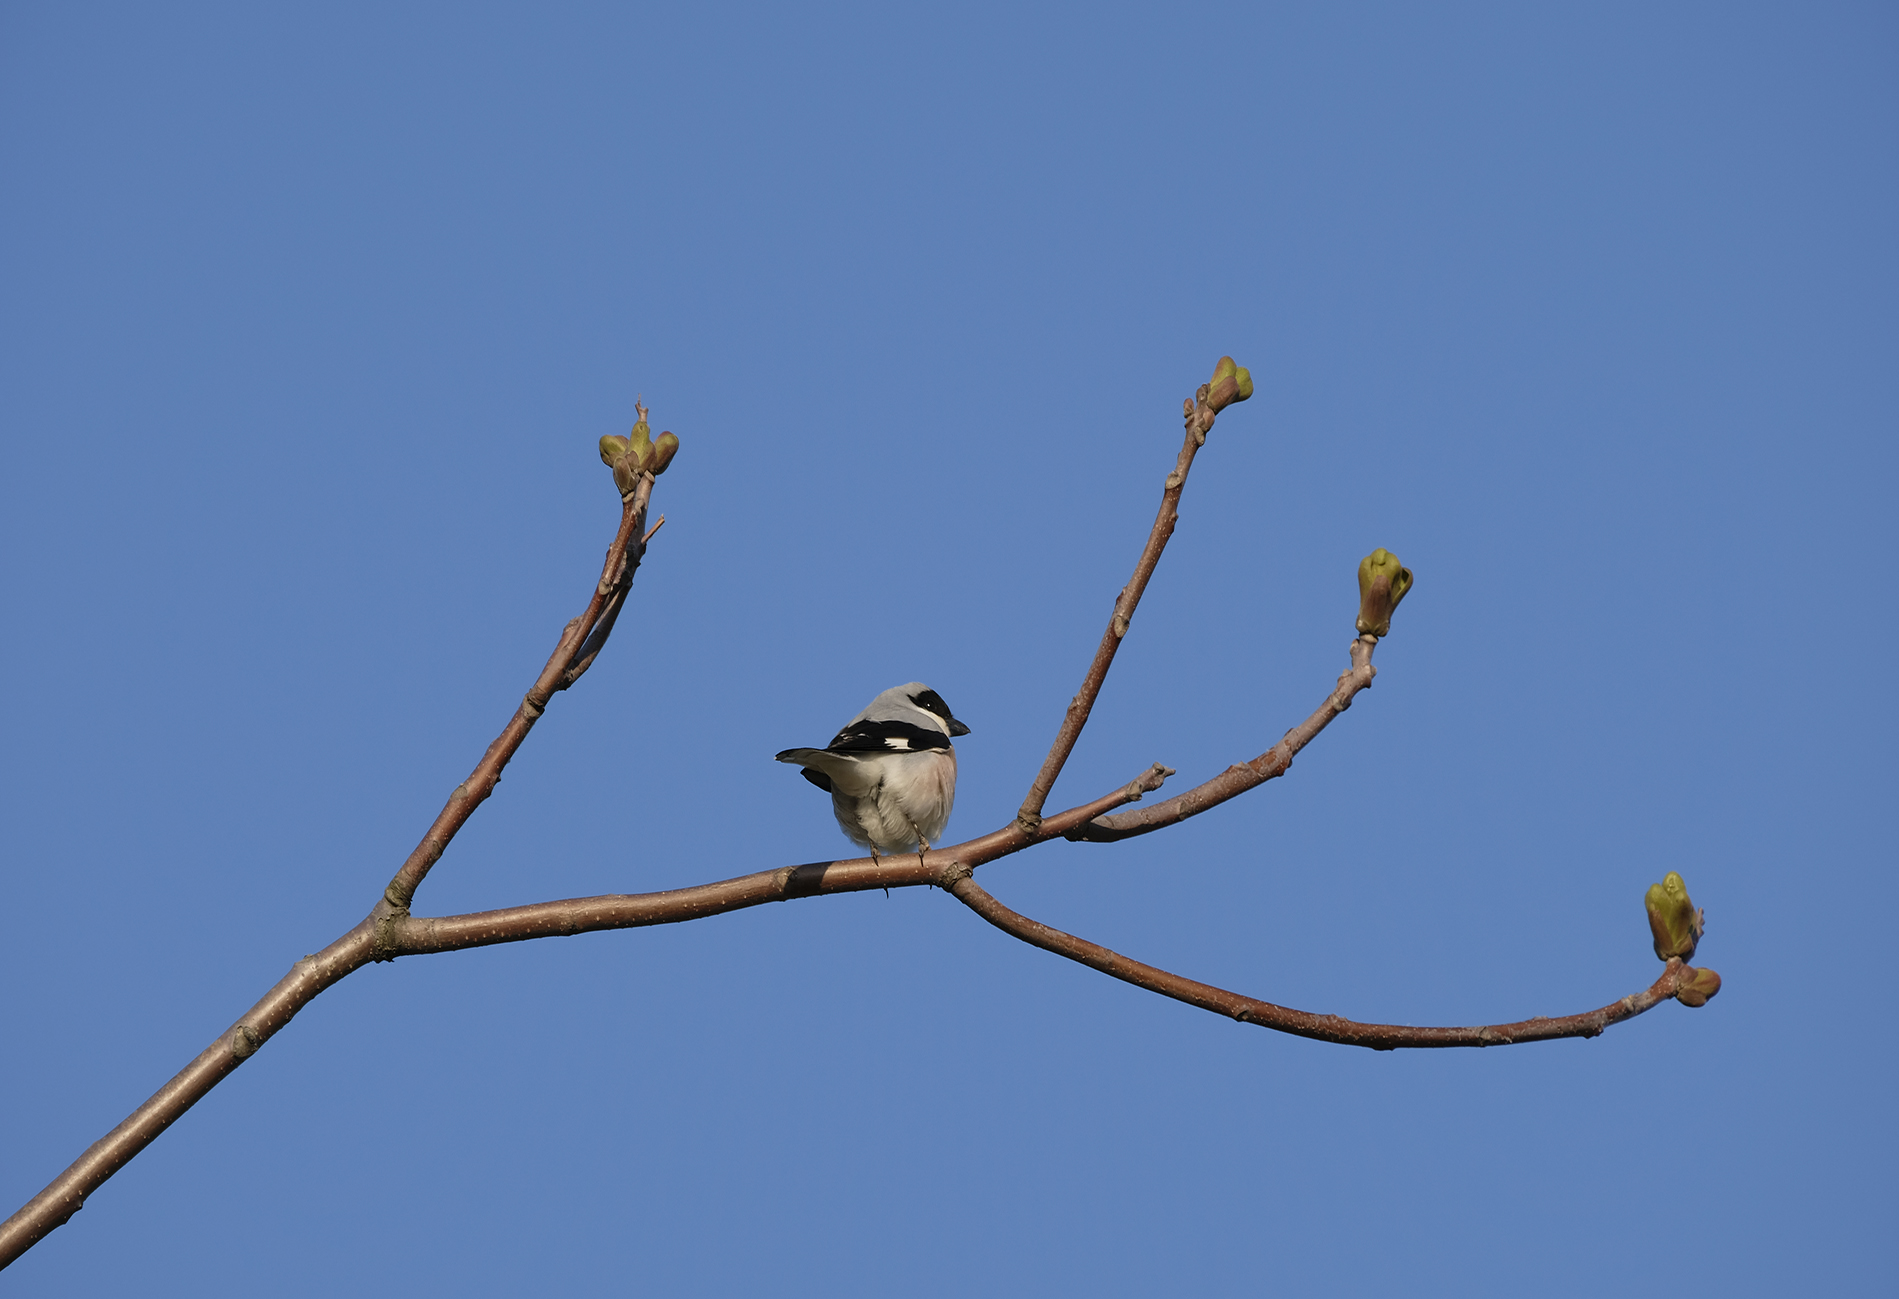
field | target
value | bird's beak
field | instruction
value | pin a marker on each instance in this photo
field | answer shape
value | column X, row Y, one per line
column 957, row 728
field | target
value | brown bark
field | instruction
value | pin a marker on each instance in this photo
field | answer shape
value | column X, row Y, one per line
column 390, row 931
column 1236, row 780
column 1199, row 420
column 1325, row 1028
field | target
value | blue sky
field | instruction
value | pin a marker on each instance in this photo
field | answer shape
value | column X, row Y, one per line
column 311, row 321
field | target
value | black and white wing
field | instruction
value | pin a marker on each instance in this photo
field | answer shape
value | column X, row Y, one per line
column 866, row 735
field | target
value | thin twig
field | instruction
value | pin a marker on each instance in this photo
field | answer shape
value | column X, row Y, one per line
column 597, row 639
column 1325, row 1028
column 390, row 931
column 1199, row 418
column 580, row 641
column 1238, row 779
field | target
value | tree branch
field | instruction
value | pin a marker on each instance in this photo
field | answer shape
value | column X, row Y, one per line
column 420, row 935
column 580, row 642
column 387, row 933
column 1325, row 1028
column 67, row 1193
column 390, row 931
column 1199, row 415
column 1236, row 780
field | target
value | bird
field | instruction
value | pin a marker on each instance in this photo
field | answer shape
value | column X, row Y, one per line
column 891, row 772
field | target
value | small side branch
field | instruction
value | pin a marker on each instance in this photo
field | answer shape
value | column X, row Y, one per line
column 1199, row 417
column 1236, row 780
column 580, row 643
column 1324, row 1028
column 390, row 931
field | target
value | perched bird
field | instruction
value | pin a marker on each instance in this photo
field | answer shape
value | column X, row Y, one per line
column 891, row 772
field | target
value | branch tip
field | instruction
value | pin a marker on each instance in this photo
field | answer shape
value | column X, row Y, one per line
column 1673, row 919
column 1198, row 419
column 390, row 930
column 1382, row 583
column 1326, row 1028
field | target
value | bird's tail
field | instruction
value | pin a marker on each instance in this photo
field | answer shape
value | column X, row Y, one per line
column 831, row 772
column 811, row 774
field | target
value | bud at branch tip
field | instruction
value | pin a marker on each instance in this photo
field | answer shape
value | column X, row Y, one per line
column 1382, row 582
column 1673, row 918
column 1230, row 384
column 637, row 453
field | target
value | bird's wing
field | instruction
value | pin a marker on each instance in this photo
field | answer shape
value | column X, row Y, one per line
column 866, row 735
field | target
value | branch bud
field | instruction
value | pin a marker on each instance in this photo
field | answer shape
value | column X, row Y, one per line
column 1230, row 384
column 1696, row 989
column 636, row 453
column 1675, row 921
column 1382, row 582
column 664, row 448
column 626, row 474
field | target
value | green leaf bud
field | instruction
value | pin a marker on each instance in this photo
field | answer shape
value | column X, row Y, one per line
column 612, row 447
column 664, row 449
column 1382, row 583
column 1230, row 384
column 1674, row 919
column 1698, row 988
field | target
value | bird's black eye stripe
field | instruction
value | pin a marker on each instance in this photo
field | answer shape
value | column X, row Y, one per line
column 931, row 702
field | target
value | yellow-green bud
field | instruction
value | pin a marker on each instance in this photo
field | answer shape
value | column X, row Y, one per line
column 1674, row 919
column 612, row 447
column 626, row 474
column 1382, row 582
column 640, row 455
column 642, row 432
column 1696, row 989
column 1230, row 384
column 664, row 448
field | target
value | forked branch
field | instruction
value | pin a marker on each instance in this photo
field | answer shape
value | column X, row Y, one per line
column 1237, row 779
column 581, row 641
column 390, row 931
column 1230, row 384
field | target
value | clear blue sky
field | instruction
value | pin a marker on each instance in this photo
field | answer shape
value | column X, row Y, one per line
column 312, row 318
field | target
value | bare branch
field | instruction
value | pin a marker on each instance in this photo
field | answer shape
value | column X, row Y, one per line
column 1199, row 417
column 1238, row 779
column 390, row 931
column 580, row 642
column 387, row 933
column 597, row 639
column 67, row 1193
column 1325, row 1028
column 420, row 935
